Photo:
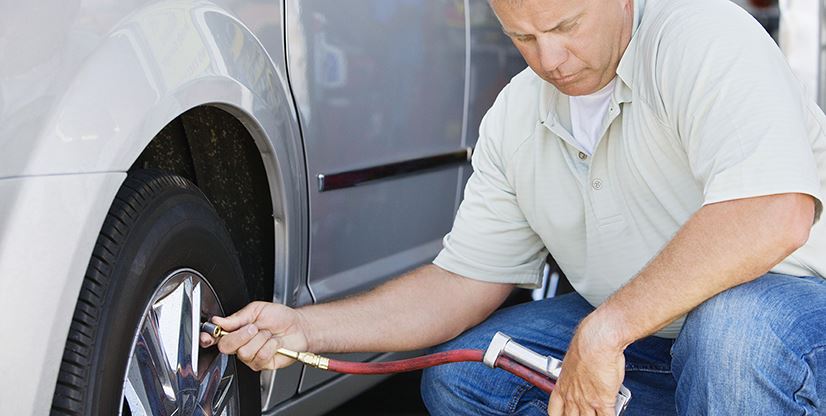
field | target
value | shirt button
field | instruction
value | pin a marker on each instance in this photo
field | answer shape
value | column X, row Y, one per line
column 583, row 156
column 596, row 184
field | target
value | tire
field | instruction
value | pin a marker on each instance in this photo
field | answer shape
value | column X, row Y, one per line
column 162, row 244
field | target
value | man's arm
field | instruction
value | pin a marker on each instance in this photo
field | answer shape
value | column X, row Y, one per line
column 420, row 309
column 721, row 246
column 423, row 308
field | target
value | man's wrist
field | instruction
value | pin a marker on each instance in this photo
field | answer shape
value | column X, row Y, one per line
column 609, row 327
column 305, row 324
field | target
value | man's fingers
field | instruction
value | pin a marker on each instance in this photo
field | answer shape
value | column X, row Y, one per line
column 206, row 340
column 247, row 351
column 229, row 344
column 245, row 316
column 280, row 361
column 265, row 358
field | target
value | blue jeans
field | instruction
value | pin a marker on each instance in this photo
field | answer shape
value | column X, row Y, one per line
column 758, row 348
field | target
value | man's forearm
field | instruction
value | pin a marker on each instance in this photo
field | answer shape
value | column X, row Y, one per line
column 420, row 309
column 721, row 246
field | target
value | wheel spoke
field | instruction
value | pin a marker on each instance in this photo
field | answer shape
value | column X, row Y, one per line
column 187, row 357
column 163, row 375
column 149, row 388
column 217, row 385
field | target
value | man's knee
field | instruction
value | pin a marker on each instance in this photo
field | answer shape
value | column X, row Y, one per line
column 472, row 388
column 475, row 389
column 751, row 321
column 446, row 387
column 456, row 388
column 729, row 332
column 744, row 345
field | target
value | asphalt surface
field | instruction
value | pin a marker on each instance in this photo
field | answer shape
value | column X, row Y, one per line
column 398, row 395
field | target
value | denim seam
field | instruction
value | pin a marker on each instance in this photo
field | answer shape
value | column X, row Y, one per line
column 814, row 349
column 541, row 405
column 517, row 396
column 673, row 344
column 648, row 370
column 653, row 368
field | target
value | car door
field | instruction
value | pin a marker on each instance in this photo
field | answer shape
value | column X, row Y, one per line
column 385, row 91
column 377, row 83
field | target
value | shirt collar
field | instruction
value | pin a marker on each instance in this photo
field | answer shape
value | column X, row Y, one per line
column 625, row 68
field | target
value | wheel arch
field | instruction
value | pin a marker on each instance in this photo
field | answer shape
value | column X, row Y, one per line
column 114, row 108
column 174, row 60
column 219, row 148
column 208, row 69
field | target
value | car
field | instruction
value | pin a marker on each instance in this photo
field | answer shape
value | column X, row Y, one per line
column 162, row 162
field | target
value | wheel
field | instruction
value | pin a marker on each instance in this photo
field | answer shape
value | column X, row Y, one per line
column 163, row 263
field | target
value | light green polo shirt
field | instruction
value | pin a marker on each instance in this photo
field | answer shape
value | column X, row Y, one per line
column 705, row 110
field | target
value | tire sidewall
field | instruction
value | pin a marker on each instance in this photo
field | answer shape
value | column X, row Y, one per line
column 176, row 229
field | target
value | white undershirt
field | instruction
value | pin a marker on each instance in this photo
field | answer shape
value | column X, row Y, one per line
column 588, row 114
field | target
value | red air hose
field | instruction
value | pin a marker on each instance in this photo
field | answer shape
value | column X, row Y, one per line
column 425, row 361
column 411, row 364
column 539, row 380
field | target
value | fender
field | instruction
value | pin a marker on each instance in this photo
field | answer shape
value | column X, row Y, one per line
column 154, row 64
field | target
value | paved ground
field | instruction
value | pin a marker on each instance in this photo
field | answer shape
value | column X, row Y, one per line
column 398, row 395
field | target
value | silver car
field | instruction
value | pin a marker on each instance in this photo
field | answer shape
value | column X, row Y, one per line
column 165, row 161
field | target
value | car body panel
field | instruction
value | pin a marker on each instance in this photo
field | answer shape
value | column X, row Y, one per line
column 358, row 93
column 64, row 231
column 156, row 62
column 368, row 97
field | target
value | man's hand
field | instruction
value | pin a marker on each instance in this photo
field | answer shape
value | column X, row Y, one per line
column 592, row 373
column 257, row 331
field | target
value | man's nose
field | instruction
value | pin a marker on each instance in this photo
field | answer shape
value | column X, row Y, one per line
column 551, row 54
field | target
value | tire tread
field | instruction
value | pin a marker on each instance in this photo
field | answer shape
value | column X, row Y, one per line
column 136, row 192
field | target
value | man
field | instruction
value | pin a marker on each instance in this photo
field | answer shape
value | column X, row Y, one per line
column 661, row 150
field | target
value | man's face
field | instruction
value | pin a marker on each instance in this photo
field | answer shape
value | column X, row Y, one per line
column 575, row 45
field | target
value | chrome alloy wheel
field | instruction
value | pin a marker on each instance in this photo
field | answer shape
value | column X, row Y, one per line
column 168, row 373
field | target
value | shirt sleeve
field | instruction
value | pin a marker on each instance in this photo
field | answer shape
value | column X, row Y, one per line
column 491, row 240
column 739, row 111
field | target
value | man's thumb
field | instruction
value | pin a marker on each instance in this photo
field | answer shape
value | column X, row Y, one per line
column 237, row 320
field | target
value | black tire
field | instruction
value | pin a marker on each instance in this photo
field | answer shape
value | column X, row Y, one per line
column 158, row 223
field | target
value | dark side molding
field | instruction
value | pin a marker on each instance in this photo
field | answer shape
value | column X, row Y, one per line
column 351, row 178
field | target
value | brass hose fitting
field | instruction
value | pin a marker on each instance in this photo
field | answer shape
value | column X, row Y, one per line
column 215, row 330
column 308, row 358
